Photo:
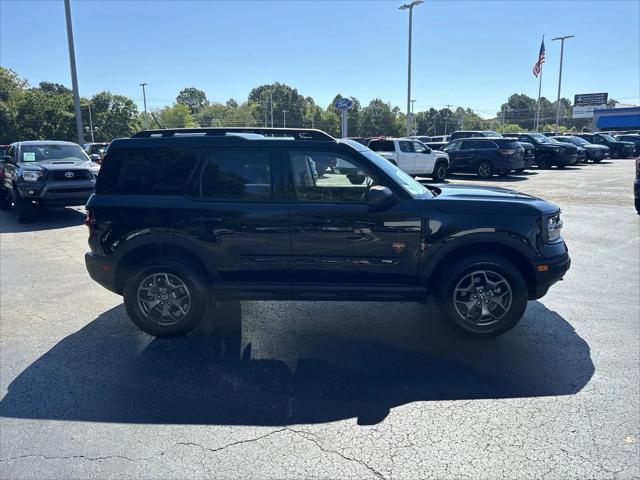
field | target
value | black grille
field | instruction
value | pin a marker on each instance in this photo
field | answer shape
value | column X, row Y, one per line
column 70, row 190
column 63, row 175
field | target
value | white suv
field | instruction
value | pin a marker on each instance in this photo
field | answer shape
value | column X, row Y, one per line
column 412, row 157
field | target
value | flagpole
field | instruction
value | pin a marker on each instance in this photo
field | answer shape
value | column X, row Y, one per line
column 537, row 120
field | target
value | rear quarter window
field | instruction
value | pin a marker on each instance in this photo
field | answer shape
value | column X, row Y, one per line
column 146, row 172
column 382, row 146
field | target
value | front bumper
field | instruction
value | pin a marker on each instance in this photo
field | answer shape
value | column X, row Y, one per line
column 58, row 194
column 548, row 272
column 102, row 270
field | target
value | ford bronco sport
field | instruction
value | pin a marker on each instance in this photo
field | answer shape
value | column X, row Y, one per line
column 184, row 216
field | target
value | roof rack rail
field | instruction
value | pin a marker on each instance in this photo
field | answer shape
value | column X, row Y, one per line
column 296, row 133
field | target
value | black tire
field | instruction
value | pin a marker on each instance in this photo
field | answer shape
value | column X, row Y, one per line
column 485, row 170
column 504, row 173
column 177, row 271
column 25, row 209
column 637, row 202
column 439, row 172
column 519, row 170
column 615, row 154
column 499, row 270
column 543, row 162
column 560, row 166
column 5, row 202
column 597, row 160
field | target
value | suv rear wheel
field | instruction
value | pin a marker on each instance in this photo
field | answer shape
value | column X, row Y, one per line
column 166, row 298
column 485, row 170
column 482, row 295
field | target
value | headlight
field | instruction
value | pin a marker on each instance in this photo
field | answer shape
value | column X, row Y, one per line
column 554, row 227
column 95, row 169
column 31, row 176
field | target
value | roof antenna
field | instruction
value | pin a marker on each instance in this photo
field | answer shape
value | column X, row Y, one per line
column 156, row 120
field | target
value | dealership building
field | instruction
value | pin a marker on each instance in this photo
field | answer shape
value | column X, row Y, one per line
column 616, row 118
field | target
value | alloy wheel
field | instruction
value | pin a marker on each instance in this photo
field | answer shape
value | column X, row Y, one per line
column 163, row 298
column 482, row 298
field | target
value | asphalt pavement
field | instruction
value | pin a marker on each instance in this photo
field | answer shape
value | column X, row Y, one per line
column 328, row 390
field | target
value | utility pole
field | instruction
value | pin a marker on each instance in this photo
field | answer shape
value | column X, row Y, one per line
column 74, row 75
column 144, row 99
column 91, row 122
column 446, row 118
column 562, row 39
column 271, row 97
column 409, row 6
column 504, row 114
column 284, row 116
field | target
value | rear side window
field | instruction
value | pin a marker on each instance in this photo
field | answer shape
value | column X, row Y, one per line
column 381, row 146
column 146, row 172
column 241, row 175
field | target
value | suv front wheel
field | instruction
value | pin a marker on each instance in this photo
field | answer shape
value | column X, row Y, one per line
column 482, row 295
column 166, row 298
column 439, row 172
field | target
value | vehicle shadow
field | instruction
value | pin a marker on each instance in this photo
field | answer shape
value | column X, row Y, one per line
column 45, row 219
column 317, row 366
column 512, row 177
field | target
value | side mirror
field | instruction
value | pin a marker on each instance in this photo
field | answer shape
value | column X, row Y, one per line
column 427, row 150
column 95, row 157
column 379, row 197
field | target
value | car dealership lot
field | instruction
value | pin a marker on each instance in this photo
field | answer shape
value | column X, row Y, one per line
column 329, row 390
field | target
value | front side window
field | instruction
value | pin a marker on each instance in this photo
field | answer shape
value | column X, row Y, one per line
column 406, row 147
column 453, row 147
column 344, row 181
column 241, row 175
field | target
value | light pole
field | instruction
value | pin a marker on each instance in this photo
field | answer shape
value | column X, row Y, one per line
column 409, row 6
column 144, row 99
column 562, row 39
column 90, row 122
column 74, row 75
column 412, row 124
column 284, row 117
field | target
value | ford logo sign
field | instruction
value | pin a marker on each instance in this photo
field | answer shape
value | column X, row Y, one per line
column 344, row 104
column 69, row 174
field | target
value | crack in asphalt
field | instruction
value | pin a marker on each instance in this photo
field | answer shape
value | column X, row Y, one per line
column 71, row 457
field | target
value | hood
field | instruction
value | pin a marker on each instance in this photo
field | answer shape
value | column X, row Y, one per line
column 567, row 146
column 493, row 200
column 594, row 147
column 55, row 165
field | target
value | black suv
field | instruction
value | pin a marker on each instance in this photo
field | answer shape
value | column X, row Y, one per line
column 181, row 217
column 485, row 156
column 548, row 153
column 630, row 137
column 617, row 148
column 45, row 173
column 472, row 134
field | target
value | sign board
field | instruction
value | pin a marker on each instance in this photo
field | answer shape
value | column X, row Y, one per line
column 585, row 111
column 585, row 99
column 344, row 104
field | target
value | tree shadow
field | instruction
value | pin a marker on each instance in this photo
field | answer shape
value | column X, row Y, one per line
column 45, row 219
column 319, row 362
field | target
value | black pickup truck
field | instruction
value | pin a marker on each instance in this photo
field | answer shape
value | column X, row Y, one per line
column 45, row 173
column 617, row 148
column 547, row 152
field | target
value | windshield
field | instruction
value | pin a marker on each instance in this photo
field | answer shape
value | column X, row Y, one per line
column 578, row 141
column 538, row 137
column 608, row 138
column 44, row 152
column 489, row 133
column 407, row 182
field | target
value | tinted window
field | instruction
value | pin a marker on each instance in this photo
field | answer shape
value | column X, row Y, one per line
column 146, row 172
column 406, row 147
column 346, row 181
column 243, row 175
column 382, row 146
column 477, row 145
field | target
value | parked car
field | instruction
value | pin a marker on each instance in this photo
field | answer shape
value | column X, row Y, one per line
column 96, row 151
column 547, row 153
column 630, row 137
column 581, row 154
column 485, row 156
column 636, row 186
column 421, row 138
column 595, row 153
column 412, row 157
column 45, row 173
column 529, row 156
column 438, row 142
column 244, row 218
column 472, row 134
column 617, row 148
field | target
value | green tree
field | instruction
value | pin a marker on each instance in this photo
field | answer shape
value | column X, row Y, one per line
column 379, row 118
column 284, row 98
column 193, row 98
column 113, row 116
column 177, row 115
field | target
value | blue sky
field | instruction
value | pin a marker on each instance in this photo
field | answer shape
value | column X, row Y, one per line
column 466, row 53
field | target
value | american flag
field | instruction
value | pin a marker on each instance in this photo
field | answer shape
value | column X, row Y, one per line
column 537, row 67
